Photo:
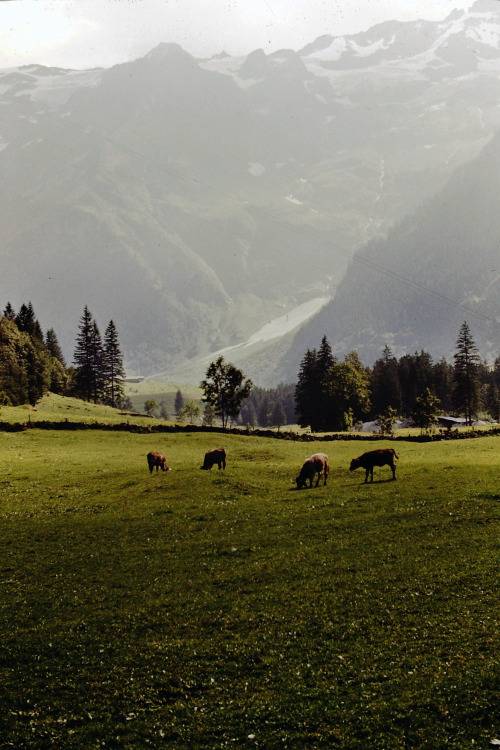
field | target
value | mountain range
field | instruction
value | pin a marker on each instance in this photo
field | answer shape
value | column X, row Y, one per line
column 194, row 201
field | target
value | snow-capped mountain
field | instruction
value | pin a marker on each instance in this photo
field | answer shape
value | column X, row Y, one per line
column 195, row 200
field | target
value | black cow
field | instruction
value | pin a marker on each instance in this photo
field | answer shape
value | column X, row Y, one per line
column 215, row 456
column 380, row 457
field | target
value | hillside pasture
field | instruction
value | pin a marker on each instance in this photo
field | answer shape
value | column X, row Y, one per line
column 216, row 609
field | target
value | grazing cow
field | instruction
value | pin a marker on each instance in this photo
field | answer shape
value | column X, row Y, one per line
column 315, row 464
column 157, row 460
column 215, row 456
column 380, row 457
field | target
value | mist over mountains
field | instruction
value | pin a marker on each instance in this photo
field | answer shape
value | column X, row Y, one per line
column 194, row 201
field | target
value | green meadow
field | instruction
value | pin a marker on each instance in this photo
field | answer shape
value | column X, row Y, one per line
column 198, row 610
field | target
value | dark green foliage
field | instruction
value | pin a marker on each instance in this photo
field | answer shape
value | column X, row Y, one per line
column 98, row 366
column 9, row 312
column 83, row 357
column 466, row 374
column 443, row 384
column 53, row 347
column 225, row 389
column 386, row 389
column 386, row 420
column 331, row 394
column 113, row 370
column 307, row 390
column 25, row 366
column 164, row 410
column 25, row 319
column 415, row 374
column 426, row 409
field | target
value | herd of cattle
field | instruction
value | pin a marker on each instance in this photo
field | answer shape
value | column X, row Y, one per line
column 316, row 466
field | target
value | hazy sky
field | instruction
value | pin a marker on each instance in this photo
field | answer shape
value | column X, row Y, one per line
column 86, row 33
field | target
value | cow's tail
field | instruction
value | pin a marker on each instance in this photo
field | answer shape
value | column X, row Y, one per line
column 395, row 454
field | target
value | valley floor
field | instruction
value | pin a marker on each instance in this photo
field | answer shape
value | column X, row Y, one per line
column 207, row 610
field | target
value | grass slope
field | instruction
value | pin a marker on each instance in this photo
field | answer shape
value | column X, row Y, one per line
column 54, row 408
column 206, row 610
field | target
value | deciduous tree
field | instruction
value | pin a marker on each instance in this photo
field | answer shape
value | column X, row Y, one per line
column 224, row 388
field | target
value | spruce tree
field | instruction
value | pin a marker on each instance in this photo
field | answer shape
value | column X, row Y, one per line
column 306, row 390
column 98, row 367
column 114, row 372
column 83, row 357
column 25, row 319
column 465, row 374
column 53, row 347
column 9, row 312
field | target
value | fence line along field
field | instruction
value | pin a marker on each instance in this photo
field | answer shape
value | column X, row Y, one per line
column 196, row 609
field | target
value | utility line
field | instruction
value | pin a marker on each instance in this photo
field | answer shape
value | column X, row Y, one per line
column 421, row 287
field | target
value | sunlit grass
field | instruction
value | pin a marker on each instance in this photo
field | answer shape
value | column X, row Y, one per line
column 207, row 609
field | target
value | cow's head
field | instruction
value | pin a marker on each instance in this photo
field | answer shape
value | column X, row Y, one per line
column 300, row 481
column 355, row 464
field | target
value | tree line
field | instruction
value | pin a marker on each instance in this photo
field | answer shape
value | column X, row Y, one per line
column 330, row 393
column 32, row 363
column 334, row 394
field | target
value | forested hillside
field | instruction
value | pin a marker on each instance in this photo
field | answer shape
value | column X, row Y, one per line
column 435, row 268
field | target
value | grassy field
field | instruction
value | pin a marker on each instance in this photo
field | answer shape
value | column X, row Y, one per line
column 228, row 610
column 54, row 408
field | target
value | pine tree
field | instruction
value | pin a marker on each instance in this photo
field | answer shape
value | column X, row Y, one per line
column 306, row 390
column 52, row 346
column 83, row 357
column 98, row 366
column 465, row 374
column 113, row 369
column 179, row 402
column 25, row 319
column 9, row 312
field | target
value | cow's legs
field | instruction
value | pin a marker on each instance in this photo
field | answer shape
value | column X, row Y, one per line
column 319, row 477
column 367, row 471
column 371, row 473
column 393, row 471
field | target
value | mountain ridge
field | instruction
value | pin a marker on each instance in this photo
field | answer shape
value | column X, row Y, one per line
column 194, row 200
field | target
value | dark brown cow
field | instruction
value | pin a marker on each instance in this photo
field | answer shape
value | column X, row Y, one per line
column 315, row 464
column 215, row 456
column 157, row 460
column 380, row 457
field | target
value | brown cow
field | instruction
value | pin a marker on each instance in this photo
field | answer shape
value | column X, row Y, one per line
column 315, row 464
column 158, row 461
column 215, row 456
column 380, row 457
